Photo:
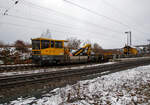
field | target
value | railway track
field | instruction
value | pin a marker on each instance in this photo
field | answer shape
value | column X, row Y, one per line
column 28, row 67
column 20, row 80
column 7, row 68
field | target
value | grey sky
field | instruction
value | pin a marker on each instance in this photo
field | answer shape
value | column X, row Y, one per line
column 29, row 18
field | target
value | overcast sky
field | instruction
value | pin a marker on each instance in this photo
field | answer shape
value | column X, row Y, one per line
column 106, row 26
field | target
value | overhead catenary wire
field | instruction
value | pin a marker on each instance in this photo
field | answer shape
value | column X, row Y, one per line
column 18, row 25
column 83, row 21
column 68, row 16
column 39, row 20
column 98, row 14
column 55, row 24
column 74, row 18
column 7, row 10
column 54, row 30
column 35, row 20
column 109, row 18
column 77, row 19
column 125, row 15
column 17, row 1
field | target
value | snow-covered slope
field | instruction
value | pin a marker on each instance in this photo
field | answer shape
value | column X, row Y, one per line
column 130, row 87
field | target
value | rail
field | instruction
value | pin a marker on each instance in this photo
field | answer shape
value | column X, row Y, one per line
column 17, row 80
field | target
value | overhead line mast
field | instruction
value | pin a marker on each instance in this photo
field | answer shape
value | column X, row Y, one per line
column 129, row 38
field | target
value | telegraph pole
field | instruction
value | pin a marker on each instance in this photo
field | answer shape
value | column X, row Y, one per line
column 130, row 39
column 148, row 44
column 129, row 32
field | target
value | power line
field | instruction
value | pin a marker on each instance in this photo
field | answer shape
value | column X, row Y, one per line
column 112, row 6
column 44, row 22
column 73, row 18
column 98, row 14
column 91, row 11
column 47, row 22
column 18, row 25
column 17, row 1
column 7, row 10
column 29, row 27
column 68, row 16
column 125, row 14
column 98, row 33
column 55, row 24
column 30, row 19
column 77, row 19
column 40, row 21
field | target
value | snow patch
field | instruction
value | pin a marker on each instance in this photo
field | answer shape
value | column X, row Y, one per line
column 50, row 69
column 122, row 88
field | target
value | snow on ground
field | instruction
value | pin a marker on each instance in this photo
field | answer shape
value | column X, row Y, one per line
column 17, row 65
column 130, row 87
column 130, row 59
column 51, row 69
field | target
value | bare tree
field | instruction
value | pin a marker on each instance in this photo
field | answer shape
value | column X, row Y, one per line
column 97, row 48
column 46, row 34
column 86, row 42
column 74, row 43
column 20, row 46
column 28, row 45
column 1, row 44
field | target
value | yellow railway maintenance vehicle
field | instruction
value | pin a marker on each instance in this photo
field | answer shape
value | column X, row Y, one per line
column 128, row 50
column 46, row 50
column 50, row 51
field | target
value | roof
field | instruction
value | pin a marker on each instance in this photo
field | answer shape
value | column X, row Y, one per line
column 47, row 39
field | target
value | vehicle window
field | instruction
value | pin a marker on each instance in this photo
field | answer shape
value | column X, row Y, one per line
column 52, row 44
column 35, row 44
column 45, row 44
column 65, row 44
column 58, row 44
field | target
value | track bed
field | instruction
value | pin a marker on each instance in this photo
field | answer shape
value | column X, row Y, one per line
column 51, row 80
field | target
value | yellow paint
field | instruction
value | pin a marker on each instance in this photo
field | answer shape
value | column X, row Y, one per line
column 51, row 51
column 84, row 47
column 49, row 39
column 131, row 50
